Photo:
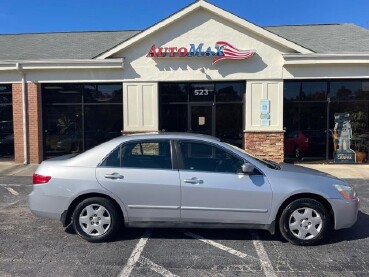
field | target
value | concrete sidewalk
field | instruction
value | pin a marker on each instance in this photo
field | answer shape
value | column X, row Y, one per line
column 345, row 171
column 14, row 169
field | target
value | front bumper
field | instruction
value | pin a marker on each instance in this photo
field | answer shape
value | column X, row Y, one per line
column 345, row 212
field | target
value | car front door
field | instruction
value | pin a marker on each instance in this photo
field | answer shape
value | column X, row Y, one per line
column 214, row 190
column 141, row 174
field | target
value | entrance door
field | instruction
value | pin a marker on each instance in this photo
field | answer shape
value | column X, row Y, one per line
column 202, row 119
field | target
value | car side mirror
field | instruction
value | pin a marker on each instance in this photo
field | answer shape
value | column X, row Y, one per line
column 247, row 168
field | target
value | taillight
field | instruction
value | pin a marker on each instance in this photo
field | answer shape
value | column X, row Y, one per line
column 40, row 179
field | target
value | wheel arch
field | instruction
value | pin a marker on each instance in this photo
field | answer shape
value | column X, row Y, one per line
column 294, row 197
column 67, row 218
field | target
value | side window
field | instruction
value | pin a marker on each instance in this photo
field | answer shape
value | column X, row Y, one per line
column 199, row 156
column 114, row 159
column 147, row 154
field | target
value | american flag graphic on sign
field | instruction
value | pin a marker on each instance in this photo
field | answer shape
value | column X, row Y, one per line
column 231, row 52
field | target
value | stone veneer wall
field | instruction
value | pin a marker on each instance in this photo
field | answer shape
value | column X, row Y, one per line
column 265, row 145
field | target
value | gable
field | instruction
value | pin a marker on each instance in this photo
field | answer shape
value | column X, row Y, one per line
column 202, row 27
column 215, row 10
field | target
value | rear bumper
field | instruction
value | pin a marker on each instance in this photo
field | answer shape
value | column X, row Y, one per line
column 47, row 206
column 345, row 212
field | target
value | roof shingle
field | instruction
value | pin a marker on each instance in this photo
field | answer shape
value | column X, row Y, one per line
column 328, row 38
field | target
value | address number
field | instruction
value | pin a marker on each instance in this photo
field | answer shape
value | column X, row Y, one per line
column 201, row 92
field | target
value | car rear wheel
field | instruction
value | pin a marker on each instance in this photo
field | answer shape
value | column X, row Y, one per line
column 96, row 219
column 305, row 222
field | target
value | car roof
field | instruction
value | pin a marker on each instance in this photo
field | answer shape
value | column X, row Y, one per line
column 94, row 155
column 170, row 135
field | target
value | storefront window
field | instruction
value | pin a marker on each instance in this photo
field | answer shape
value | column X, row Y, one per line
column 77, row 117
column 173, row 93
column 342, row 135
column 6, row 123
column 208, row 108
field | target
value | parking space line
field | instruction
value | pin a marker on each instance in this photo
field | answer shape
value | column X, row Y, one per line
column 221, row 247
column 10, row 205
column 15, row 185
column 12, row 191
column 260, row 250
column 135, row 256
column 155, row 267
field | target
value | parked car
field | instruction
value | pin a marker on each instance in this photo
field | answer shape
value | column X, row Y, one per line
column 188, row 180
column 305, row 143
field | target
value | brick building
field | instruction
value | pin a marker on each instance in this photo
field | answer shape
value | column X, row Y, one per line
column 273, row 90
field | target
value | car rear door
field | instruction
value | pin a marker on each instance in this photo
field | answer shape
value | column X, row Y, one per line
column 142, row 175
column 213, row 191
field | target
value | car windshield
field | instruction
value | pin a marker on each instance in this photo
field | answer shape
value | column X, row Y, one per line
column 266, row 162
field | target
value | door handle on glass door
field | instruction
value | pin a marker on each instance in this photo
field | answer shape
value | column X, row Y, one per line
column 114, row 176
column 193, row 181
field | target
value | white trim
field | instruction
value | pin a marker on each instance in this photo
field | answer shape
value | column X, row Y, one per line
column 62, row 64
column 306, row 59
column 218, row 11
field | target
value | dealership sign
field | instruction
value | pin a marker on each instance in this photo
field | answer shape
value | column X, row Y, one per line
column 221, row 51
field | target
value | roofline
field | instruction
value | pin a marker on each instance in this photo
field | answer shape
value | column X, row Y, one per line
column 302, row 25
column 70, row 32
column 313, row 59
column 19, row 65
column 214, row 9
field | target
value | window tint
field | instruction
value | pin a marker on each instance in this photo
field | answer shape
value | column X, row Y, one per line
column 141, row 155
column 205, row 157
column 114, row 159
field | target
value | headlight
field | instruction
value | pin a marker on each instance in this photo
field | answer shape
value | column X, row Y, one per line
column 346, row 191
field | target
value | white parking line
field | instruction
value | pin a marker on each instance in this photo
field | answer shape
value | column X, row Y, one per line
column 12, row 191
column 135, row 256
column 15, row 185
column 10, row 205
column 155, row 267
column 221, row 246
column 265, row 261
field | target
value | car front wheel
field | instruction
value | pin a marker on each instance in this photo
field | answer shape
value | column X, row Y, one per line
column 96, row 219
column 305, row 222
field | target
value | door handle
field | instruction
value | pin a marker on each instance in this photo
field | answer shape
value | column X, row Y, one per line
column 193, row 181
column 114, row 176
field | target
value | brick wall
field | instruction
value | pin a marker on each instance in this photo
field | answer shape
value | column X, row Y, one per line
column 18, row 123
column 267, row 145
column 34, row 123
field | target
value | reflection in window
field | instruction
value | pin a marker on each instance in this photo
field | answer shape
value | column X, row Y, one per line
column 305, row 116
column 77, row 117
column 305, row 91
column 6, row 122
column 155, row 155
column 182, row 105
column 205, row 157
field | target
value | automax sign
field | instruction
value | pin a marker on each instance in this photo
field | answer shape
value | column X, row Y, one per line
column 221, row 51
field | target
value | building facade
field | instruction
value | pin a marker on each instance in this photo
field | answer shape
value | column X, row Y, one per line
column 280, row 92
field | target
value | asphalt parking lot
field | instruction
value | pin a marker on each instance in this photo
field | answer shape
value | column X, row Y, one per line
column 32, row 246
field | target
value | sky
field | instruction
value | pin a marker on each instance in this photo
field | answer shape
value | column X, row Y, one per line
column 39, row 16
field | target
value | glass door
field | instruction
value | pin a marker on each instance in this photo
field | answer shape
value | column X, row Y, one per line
column 202, row 119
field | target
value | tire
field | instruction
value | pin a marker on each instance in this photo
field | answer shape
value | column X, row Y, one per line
column 96, row 219
column 305, row 221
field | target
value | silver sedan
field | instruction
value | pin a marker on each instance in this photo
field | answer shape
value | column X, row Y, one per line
column 188, row 180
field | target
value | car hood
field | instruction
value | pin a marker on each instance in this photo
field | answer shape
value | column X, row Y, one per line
column 290, row 168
